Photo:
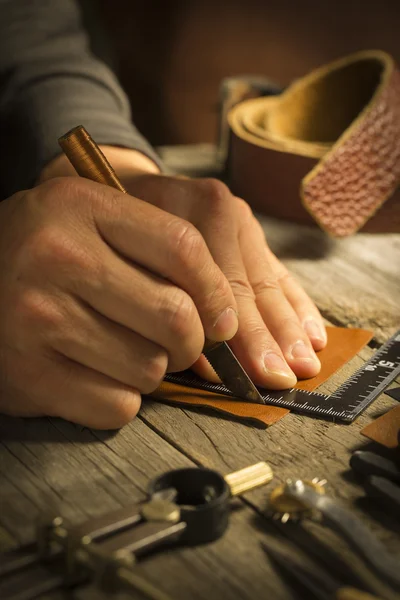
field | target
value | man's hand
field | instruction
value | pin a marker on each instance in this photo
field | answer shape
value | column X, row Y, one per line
column 279, row 326
column 100, row 294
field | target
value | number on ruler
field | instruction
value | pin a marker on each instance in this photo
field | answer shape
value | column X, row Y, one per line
column 382, row 363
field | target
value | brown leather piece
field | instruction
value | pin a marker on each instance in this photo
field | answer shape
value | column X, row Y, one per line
column 385, row 430
column 326, row 150
column 342, row 345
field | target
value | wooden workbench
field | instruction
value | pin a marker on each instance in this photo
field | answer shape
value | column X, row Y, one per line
column 82, row 473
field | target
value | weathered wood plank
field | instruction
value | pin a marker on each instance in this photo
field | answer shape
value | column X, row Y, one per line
column 53, row 463
column 80, row 473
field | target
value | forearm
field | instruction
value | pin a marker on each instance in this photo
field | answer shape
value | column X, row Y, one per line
column 50, row 82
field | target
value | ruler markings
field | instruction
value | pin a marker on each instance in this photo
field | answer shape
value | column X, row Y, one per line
column 346, row 403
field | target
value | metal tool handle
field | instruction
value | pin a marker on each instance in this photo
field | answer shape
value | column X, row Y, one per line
column 347, row 593
column 87, row 158
column 249, row 478
column 351, row 528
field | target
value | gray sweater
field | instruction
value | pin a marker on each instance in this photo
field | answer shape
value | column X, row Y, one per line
column 50, row 82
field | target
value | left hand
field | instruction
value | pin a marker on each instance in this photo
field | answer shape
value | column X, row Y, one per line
column 279, row 325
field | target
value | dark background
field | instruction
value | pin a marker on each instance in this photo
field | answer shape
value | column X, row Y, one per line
column 172, row 55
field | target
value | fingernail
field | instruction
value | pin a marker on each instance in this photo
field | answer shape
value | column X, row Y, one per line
column 275, row 364
column 301, row 350
column 314, row 330
column 227, row 324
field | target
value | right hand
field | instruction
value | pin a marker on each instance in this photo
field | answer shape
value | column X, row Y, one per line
column 100, row 295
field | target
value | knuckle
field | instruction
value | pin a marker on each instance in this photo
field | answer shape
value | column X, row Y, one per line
column 155, row 369
column 35, row 307
column 60, row 190
column 289, row 323
column 48, row 244
column 246, row 214
column 186, row 244
column 54, row 188
column 52, row 247
column 258, row 332
column 106, row 201
column 187, row 355
column 222, row 290
column 241, row 288
column 76, row 195
column 284, row 277
column 248, row 221
column 215, row 188
column 216, row 194
column 265, row 285
column 180, row 315
column 126, row 407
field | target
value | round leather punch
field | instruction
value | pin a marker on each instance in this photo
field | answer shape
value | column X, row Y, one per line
column 325, row 150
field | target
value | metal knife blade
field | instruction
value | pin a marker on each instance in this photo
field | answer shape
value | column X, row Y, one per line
column 231, row 372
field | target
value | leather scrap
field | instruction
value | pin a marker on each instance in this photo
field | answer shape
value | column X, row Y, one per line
column 326, row 150
column 385, row 430
column 343, row 344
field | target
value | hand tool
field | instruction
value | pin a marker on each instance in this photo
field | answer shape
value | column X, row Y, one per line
column 369, row 463
column 381, row 478
column 320, row 582
column 298, row 499
column 89, row 161
column 345, row 404
column 184, row 506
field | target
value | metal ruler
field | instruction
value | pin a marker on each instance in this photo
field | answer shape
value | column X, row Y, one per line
column 346, row 404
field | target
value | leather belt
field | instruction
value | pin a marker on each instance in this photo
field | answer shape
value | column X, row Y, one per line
column 332, row 138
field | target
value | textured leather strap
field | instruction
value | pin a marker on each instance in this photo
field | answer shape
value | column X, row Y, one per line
column 326, row 150
column 342, row 345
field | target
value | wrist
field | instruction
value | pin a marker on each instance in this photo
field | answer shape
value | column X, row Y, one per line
column 127, row 163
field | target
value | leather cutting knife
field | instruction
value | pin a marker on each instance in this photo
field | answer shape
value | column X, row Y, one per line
column 89, row 161
column 231, row 372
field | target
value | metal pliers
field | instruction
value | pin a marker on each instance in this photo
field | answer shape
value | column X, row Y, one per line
column 381, row 478
column 297, row 500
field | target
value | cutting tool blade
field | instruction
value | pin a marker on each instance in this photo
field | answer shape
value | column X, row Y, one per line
column 231, row 372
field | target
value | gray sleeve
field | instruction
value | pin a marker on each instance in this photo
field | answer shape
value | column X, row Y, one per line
column 49, row 83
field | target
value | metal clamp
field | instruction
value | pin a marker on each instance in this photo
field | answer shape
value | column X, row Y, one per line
column 185, row 506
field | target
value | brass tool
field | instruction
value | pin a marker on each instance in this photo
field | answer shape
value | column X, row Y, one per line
column 87, row 158
column 89, row 161
column 249, row 478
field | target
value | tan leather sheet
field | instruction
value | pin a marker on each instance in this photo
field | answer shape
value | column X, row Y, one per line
column 342, row 345
column 385, row 430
